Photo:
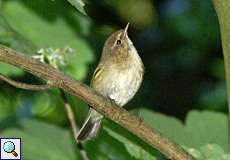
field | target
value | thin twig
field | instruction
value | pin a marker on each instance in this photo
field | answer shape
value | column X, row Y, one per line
column 71, row 118
column 25, row 85
column 70, row 115
column 75, row 130
column 101, row 104
column 84, row 154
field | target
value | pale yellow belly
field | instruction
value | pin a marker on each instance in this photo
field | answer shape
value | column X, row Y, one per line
column 119, row 86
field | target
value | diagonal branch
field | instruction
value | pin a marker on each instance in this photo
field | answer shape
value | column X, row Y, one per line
column 97, row 101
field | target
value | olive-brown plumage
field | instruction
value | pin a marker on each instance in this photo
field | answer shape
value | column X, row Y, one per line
column 118, row 76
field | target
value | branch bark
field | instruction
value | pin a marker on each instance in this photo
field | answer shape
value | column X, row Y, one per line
column 222, row 8
column 97, row 101
column 25, row 85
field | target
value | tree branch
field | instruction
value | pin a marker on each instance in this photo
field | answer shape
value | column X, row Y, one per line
column 97, row 101
column 25, row 85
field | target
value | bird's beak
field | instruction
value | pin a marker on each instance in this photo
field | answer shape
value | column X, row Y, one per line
column 125, row 32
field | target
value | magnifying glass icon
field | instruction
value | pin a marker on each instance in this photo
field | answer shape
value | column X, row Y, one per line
column 9, row 147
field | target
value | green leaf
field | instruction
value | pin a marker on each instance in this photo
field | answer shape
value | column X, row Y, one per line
column 79, row 4
column 200, row 128
column 80, row 108
column 207, row 127
column 134, row 149
column 7, row 105
column 10, row 70
column 105, row 147
column 47, row 105
column 212, row 151
column 209, row 152
column 169, row 126
column 12, row 39
column 53, row 29
column 43, row 141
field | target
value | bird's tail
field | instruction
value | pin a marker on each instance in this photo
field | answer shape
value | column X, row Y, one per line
column 91, row 126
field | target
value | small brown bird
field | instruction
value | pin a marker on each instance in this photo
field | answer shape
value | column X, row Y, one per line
column 118, row 76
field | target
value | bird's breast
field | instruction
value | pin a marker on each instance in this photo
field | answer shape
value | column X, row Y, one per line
column 121, row 82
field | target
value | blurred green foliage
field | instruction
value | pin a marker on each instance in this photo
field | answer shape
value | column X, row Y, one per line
column 179, row 43
column 210, row 152
column 201, row 128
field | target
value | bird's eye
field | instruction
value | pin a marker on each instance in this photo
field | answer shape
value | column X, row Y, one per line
column 118, row 42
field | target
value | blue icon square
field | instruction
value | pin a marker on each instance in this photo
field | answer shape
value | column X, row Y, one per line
column 10, row 149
